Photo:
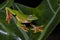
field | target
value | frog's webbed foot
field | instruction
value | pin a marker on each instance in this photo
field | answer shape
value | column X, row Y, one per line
column 25, row 28
column 37, row 28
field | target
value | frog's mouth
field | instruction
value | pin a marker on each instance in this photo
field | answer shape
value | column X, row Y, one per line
column 27, row 21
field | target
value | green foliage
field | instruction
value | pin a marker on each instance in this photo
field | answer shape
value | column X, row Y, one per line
column 48, row 13
column 7, row 3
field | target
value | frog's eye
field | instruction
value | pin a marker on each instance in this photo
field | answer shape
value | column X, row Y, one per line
column 30, row 16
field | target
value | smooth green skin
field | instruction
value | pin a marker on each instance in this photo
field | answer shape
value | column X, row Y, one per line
column 21, row 15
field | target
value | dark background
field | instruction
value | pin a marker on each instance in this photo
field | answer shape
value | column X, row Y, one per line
column 33, row 3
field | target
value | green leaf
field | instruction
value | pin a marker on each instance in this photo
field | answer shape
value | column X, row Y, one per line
column 7, row 3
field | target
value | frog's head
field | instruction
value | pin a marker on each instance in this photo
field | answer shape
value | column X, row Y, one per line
column 30, row 18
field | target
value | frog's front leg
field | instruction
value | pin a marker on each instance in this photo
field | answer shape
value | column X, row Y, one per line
column 25, row 28
column 22, row 26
